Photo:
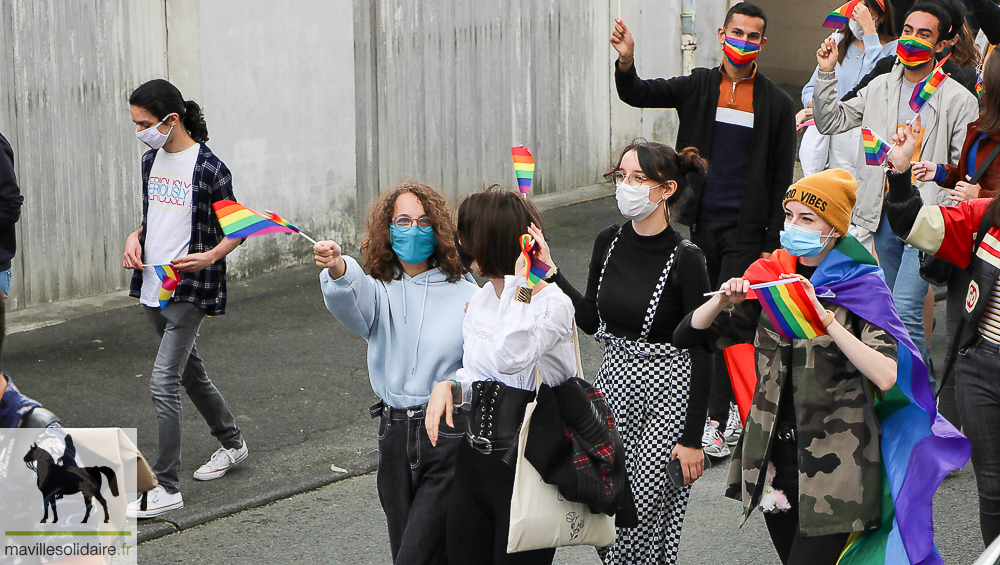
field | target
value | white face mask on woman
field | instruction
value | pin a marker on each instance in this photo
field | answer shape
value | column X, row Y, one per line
column 633, row 201
column 152, row 136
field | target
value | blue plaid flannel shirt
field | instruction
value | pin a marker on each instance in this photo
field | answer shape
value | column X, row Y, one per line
column 210, row 183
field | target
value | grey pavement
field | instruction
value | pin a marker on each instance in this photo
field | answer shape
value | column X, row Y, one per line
column 297, row 382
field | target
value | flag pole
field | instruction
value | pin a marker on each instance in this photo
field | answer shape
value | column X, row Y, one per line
column 311, row 240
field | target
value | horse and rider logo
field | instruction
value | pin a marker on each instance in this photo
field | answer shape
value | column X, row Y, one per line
column 65, row 477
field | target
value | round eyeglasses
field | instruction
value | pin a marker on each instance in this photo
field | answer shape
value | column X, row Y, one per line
column 422, row 222
column 634, row 180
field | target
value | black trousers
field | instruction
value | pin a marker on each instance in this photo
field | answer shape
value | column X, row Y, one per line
column 794, row 548
column 479, row 512
column 414, row 481
column 726, row 258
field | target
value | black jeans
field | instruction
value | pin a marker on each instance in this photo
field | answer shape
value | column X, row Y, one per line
column 977, row 373
column 414, row 482
column 726, row 257
column 792, row 546
column 479, row 512
column 958, row 286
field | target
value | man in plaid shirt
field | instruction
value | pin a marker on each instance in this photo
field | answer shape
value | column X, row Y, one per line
column 181, row 178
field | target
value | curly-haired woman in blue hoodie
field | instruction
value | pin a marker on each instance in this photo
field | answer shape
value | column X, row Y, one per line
column 409, row 308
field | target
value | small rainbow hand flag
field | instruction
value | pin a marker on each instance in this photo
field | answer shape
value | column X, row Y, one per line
column 876, row 149
column 788, row 307
column 535, row 269
column 524, row 168
column 238, row 221
column 979, row 86
column 838, row 18
column 169, row 277
column 923, row 91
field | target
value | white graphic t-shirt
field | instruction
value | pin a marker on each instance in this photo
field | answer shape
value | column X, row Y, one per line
column 168, row 218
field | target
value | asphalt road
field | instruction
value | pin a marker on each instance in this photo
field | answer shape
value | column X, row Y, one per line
column 297, row 382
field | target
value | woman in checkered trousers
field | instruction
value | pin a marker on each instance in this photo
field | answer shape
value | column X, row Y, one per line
column 644, row 278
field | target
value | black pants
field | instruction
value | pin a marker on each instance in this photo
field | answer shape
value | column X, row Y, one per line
column 479, row 512
column 794, row 548
column 414, row 482
column 978, row 393
column 726, row 258
column 958, row 286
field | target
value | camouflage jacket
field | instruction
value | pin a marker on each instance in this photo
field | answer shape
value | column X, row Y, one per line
column 840, row 464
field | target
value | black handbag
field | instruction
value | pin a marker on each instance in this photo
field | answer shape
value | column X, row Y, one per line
column 938, row 271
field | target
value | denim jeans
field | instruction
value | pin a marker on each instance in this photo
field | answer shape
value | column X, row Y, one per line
column 178, row 365
column 414, row 482
column 5, row 277
column 978, row 394
column 901, row 264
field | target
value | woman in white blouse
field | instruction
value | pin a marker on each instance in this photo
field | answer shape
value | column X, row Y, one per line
column 505, row 340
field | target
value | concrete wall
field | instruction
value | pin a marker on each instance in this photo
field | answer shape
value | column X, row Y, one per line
column 794, row 32
column 65, row 74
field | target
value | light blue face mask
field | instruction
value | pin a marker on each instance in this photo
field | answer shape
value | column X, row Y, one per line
column 803, row 242
column 412, row 244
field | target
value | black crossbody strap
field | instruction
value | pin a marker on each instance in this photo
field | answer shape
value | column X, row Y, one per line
column 981, row 170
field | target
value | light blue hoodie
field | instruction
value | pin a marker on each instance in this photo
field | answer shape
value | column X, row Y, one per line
column 413, row 327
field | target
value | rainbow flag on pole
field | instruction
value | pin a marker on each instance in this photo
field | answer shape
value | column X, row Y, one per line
column 788, row 307
column 524, row 168
column 238, row 221
column 876, row 149
column 923, row 91
column 169, row 277
column 536, row 269
column 838, row 18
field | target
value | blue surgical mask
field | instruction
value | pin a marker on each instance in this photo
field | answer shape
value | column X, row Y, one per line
column 412, row 244
column 803, row 242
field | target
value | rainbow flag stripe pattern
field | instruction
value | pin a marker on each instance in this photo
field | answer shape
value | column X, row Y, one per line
column 169, row 277
column 789, row 309
column 979, row 86
column 536, row 269
column 923, row 91
column 838, row 18
column 740, row 53
column 876, row 149
column 524, row 167
column 919, row 447
column 912, row 51
column 238, row 221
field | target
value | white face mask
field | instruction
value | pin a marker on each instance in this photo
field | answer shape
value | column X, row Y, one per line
column 856, row 29
column 152, row 136
column 633, row 201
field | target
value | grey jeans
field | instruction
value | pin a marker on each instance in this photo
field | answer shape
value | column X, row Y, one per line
column 178, row 364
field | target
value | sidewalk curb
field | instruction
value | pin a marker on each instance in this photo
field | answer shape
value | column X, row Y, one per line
column 265, row 493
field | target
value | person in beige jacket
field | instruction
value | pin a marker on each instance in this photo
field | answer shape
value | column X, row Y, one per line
column 882, row 106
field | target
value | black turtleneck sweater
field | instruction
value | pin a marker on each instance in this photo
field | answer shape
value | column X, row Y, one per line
column 633, row 271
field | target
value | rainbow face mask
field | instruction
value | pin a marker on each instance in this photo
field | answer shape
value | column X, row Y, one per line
column 913, row 51
column 739, row 52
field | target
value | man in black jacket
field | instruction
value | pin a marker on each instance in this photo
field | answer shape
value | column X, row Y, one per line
column 745, row 126
column 10, row 212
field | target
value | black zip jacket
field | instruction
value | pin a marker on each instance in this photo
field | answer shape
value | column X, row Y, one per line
column 10, row 204
column 772, row 147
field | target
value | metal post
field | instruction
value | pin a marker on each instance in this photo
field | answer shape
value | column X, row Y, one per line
column 689, row 37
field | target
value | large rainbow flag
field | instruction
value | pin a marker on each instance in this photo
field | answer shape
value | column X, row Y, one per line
column 919, row 447
column 876, row 149
column 923, row 91
column 169, row 277
column 838, row 18
column 524, row 167
column 238, row 221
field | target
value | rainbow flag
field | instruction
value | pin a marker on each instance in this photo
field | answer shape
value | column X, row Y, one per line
column 238, row 221
column 524, row 167
column 169, row 277
column 923, row 91
column 535, row 268
column 838, row 18
column 919, row 447
column 876, row 149
column 979, row 86
column 788, row 307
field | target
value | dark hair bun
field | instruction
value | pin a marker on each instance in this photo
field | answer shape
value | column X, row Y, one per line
column 689, row 161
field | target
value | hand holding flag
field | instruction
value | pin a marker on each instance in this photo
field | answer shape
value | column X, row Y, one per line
column 904, row 143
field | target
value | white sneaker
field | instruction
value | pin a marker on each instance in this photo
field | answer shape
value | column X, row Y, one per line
column 221, row 461
column 712, row 442
column 734, row 428
column 153, row 503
